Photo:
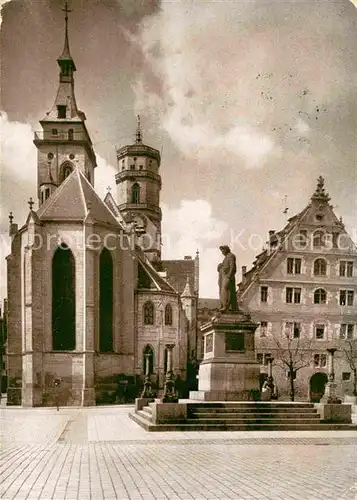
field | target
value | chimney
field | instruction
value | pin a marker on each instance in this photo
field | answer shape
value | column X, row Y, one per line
column 187, row 257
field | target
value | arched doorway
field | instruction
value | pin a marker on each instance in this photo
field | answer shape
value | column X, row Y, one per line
column 317, row 386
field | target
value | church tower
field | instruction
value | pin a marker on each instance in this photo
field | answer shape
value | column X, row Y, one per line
column 139, row 186
column 64, row 143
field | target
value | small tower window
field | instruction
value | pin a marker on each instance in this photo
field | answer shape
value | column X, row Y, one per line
column 54, row 131
column 70, row 134
column 47, row 193
column 135, row 193
column 132, row 167
column 61, row 111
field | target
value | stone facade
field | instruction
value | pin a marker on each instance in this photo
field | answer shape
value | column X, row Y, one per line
column 80, row 275
column 302, row 290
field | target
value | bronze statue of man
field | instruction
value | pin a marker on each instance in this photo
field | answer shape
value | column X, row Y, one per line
column 226, row 281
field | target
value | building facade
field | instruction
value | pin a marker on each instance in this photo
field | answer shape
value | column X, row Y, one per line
column 302, row 292
column 88, row 292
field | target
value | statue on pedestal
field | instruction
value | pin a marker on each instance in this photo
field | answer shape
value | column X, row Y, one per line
column 227, row 282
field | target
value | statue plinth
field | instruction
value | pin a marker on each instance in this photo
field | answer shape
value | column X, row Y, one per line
column 229, row 370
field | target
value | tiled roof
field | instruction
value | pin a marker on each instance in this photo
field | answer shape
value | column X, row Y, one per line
column 73, row 200
column 178, row 271
column 157, row 282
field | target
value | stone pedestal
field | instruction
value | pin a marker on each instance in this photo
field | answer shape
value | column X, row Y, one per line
column 334, row 412
column 229, row 371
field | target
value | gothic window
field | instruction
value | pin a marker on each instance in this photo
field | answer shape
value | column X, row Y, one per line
column 65, row 170
column 70, row 134
column 320, row 267
column 148, row 311
column 150, row 351
column 135, row 193
column 168, row 314
column 320, row 296
column 105, row 301
column 63, row 300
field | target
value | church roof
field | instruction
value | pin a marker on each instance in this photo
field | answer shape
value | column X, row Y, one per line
column 178, row 271
column 149, row 278
column 74, row 200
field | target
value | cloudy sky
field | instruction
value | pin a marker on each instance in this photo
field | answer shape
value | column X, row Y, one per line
column 249, row 102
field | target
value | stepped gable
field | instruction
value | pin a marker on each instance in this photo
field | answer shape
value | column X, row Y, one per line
column 73, row 200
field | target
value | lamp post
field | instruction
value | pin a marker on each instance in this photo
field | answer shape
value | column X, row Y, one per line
column 330, row 389
column 147, row 392
column 169, row 388
column 270, row 379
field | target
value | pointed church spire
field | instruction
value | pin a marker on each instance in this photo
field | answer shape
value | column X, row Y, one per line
column 65, row 60
column 139, row 138
column 187, row 290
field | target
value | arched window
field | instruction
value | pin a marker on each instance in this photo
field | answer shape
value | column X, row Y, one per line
column 168, row 314
column 148, row 311
column 320, row 296
column 150, row 351
column 319, row 239
column 65, row 170
column 320, row 267
column 70, row 134
column 63, row 300
column 105, row 301
column 135, row 193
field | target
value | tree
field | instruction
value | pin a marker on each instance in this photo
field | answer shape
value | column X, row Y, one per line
column 292, row 354
column 350, row 351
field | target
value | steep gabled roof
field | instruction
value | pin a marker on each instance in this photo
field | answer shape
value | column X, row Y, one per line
column 178, row 271
column 319, row 204
column 73, row 200
column 150, row 278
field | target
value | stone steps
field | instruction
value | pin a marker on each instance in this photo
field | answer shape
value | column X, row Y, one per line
column 240, row 416
column 184, row 426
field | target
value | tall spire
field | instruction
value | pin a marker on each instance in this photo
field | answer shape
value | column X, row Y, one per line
column 139, row 138
column 65, row 61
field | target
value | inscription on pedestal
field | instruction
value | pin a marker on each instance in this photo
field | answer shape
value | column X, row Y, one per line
column 209, row 342
column 234, row 342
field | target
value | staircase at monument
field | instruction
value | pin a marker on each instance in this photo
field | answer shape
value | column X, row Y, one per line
column 240, row 416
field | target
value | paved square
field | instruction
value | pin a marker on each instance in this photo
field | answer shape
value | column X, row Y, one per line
column 99, row 453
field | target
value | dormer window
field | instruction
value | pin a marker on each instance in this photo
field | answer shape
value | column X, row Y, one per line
column 61, row 111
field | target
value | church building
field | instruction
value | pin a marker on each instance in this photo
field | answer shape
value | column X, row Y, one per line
column 88, row 292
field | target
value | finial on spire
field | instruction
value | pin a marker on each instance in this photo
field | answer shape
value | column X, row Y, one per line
column 138, row 130
column 109, row 189
column 320, row 193
column 11, row 217
column 31, row 203
column 66, row 56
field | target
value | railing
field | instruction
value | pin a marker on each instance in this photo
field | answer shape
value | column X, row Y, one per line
column 60, row 136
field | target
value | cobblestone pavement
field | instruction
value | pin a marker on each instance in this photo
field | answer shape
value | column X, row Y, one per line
column 99, row 453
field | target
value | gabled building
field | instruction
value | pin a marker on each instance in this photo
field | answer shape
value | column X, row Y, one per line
column 88, row 294
column 303, row 288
